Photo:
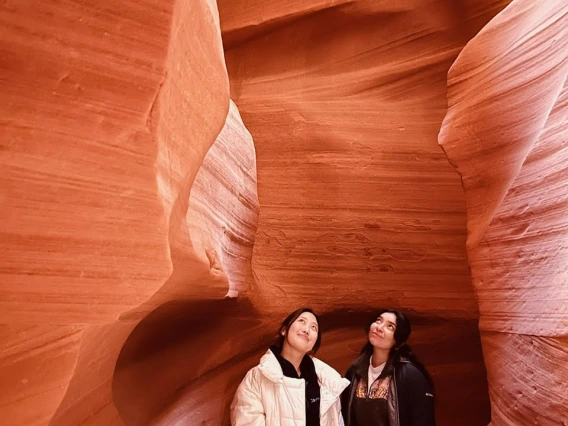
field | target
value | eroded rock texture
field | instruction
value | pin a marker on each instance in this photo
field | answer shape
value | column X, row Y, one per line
column 359, row 205
column 109, row 111
column 506, row 131
column 130, row 209
column 345, row 100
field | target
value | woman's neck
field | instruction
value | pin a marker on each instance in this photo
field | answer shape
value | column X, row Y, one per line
column 380, row 356
column 293, row 356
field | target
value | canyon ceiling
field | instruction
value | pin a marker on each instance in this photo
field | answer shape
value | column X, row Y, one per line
column 177, row 176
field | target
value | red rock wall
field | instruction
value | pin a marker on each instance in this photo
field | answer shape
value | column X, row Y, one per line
column 506, row 132
column 354, row 189
column 169, row 348
column 359, row 205
column 108, row 113
column 130, row 209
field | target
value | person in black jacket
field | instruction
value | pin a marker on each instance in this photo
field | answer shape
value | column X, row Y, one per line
column 389, row 386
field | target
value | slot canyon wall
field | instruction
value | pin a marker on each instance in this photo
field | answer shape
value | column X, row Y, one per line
column 178, row 176
column 509, row 142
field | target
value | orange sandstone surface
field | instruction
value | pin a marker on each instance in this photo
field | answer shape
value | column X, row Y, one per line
column 178, row 176
column 506, row 132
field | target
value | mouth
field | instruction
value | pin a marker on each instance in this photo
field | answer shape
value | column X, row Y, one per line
column 376, row 335
column 303, row 336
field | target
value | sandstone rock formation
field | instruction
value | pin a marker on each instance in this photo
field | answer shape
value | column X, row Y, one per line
column 359, row 205
column 130, row 290
column 107, row 116
column 506, row 132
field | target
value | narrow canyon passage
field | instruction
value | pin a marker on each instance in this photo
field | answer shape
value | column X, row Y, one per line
column 358, row 204
column 179, row 176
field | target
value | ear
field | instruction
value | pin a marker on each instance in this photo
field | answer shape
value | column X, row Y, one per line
column 283, row 332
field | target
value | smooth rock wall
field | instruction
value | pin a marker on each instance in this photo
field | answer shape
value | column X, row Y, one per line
column 108, row 113
column 360, row 206
column 506, row 132
column 129, row 206
column 344, row 101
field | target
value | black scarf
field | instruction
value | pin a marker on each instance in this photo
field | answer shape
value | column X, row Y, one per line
column 308, row 373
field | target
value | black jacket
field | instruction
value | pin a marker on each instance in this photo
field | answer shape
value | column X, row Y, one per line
column 414, row 402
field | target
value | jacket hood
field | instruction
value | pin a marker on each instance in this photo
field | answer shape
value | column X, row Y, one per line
column 330, row 381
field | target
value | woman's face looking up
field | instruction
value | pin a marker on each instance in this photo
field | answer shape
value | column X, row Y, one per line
column 381, row 332
column 303, row 333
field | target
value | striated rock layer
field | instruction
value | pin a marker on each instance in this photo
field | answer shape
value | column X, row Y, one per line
column 129, row 203
column 173, row 344
column 359, row 204
column 344, row 101
column 506, row 132
column 113, row 205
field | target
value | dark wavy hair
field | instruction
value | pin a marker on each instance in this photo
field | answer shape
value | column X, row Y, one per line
column 401, row 351
column 289, row 320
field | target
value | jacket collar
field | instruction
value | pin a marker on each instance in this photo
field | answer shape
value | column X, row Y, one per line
column 270, row 367
column 331, row 383
column 361, row 365
column 307, row 367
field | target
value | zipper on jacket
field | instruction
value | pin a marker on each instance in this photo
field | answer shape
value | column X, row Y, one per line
column 369, row 388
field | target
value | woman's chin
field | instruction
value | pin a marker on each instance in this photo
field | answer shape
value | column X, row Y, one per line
column 303, row 347
column 378, row 344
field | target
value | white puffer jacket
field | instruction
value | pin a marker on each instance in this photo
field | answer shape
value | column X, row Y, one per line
column 266, row 397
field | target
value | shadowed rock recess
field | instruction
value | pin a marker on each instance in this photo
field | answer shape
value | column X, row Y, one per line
column 179, row 175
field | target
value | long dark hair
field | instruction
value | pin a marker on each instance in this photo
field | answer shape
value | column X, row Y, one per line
column 289, row 320
column 401, row 351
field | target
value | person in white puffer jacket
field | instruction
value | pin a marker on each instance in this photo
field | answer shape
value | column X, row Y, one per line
column 289, row 387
